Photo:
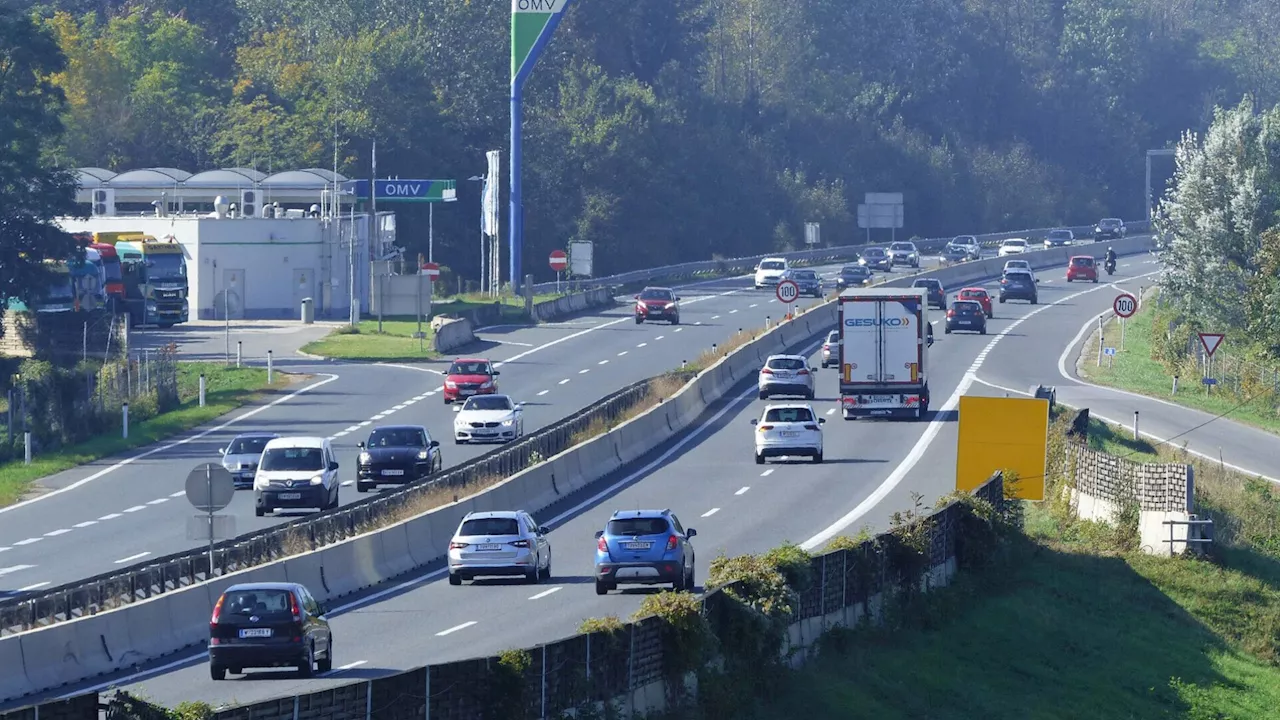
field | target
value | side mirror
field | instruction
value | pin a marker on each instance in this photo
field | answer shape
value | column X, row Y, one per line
column 435, row 443
column 822, row 421
column 636, row 296
column 544, row 530
column 813, row 369
column 457, row 408
column 222, row 451
column 321, row 609
column 333, row 465
column 599, row 534
column 496, row 373
column 755, row 421
column 929, row 342
column 360, row 444
column 690, row 532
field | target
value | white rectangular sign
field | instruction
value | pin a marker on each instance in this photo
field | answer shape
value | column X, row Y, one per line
column 581, row 259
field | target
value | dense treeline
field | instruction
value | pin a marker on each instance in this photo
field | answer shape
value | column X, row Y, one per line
column 669, row 129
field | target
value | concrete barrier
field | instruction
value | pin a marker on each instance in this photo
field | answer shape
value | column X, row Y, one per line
column 570, row 304
column 451, row 333
column 13, row 679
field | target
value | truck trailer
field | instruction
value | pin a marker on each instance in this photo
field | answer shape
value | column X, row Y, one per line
column 884, row 352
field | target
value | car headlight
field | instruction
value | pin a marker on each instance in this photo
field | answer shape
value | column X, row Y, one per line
column 317, row 480
column 508, row 423
column 260, row 483
column 487, row 384
column 228, row 465
column 423, row 455
column 365, row 458
column 671, row 306
column 450, row 384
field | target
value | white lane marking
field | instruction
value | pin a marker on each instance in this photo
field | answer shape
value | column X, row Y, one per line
column 346, row 483
column 432, row 393
column 456, row 628
column 169, row 446
column 767, row 473
column 28, row 541
column 659, row 337
column 832, row 411
column 5, row 549
column 505, row 342
column 584, row 371
column 935, row 427
column 401, row 406
column 545, row 593
column 29, row 588
column 715, row 317
column 366, row 423
column 698, row 323
column 642, row 345
column 753, row 305
column 157, row 501
column 603, row 362
column 178, row 494
column 131, row 558
column 349, row 666
column 544, row 392
column 733, row 311
column 332, row 438
column 339, row 434
column 135, row 508
column 743, row 490
column 379, row 416
column 677, row 329
column 85, row 524
column 112, row 516
column 624, row 352
column 711, row 512
column 13, row 569
column 351, row 429
column 56, row 533
column 423, row 396
column 562, row 382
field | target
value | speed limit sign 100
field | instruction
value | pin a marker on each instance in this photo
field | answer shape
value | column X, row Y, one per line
column 788, row 291
column 1125, row 305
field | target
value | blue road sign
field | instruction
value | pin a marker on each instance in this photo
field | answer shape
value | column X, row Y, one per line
column 1108, row 351
column 410, row 190
column 1209, row 381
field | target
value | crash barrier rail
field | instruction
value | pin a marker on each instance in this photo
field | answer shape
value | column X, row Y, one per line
column 626, row 669
column 172, row 572
column 133, row 633
column 744, row 265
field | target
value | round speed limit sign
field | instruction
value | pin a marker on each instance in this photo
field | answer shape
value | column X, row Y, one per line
column 1125, row 305
column 788, row 291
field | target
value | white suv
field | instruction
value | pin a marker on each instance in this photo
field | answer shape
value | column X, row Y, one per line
column 786, row 375
column 503, row 543
column 296, row 472
column 770, row 271
column 788, row 431
column 904, row 253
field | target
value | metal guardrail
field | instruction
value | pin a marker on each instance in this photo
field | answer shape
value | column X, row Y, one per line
column 744, row 265
column 179, row 570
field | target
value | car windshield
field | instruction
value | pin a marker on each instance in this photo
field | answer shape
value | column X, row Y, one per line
column 785, row 364
column 255, row 602
column 624, row 527
column 1060, row 234
column 112, row 269
column 1110, row 222
column 788, row 415
column 478, row 367
column 1018, row 277
column 804, row 275
column 874, row 252
column 1082, row 262
column 652, row 294
column 963, row 307
column 964, row 240
column 857, row 270
column 248, row 446
column 772, row 265
column 166, row 266
column 926, row 283
column 490, row 527
column 292, row 459
column 973, row 293
column 902, row 246
column 488, row 402
column 397, row 437
column 833, row 336
column 1015, row 243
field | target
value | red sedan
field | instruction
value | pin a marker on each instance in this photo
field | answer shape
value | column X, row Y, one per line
column 469, row 376
column 1082, row 267
column 980, row 296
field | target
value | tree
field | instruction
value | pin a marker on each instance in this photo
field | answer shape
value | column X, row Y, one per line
column 31, row 192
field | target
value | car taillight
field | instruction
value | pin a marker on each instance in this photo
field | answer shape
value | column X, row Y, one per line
column 810, row 427
column 293, row 608
column 217, row 611
column 766, row 371
column 765, row 427
column 951, row 313
column 672, row 540
column 457, row 545
column 1004, row 281
column 520, row 544
column 802, row 372
column 602, row 546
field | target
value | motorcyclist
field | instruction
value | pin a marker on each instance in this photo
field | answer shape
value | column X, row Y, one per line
column 1111, row 258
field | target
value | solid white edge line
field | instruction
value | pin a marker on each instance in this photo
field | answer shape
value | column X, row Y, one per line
column 456, row 628
column 169, row 446
column 545, row 593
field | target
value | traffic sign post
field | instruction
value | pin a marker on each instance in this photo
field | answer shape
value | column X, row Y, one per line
column 1111, row 354
column 788, row 292
column 1210, row 342
column 1125, row 305
column 558, row 261
column 210, row 488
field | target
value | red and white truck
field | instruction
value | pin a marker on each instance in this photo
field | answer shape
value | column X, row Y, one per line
column 884, row 352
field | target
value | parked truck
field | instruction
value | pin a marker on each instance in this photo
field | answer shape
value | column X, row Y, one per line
column 155, row 278
column 884, row 352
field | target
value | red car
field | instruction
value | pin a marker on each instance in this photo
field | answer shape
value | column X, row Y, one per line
column 980, row 296
column 1082, row 267
column 469, row 376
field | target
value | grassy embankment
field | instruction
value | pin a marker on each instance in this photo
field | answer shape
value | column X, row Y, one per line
column 226, row 388
column 1137, row 369
column 1081, row 625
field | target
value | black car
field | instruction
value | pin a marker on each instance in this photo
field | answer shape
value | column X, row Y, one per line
column 876, row 258
column 1019, row 286
column 396, row 455
column 966, row 315
column 854, row 276
column 956, row 253
column 268, row 625
column 807, row 281
column 936, row 295
column 1108, row 229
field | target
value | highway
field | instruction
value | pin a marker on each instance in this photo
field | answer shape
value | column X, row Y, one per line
column 120, row 511
column 709, row 478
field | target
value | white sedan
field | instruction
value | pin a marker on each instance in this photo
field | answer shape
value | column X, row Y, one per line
column 1013, row 246
column 488, row 418
column 790, row 430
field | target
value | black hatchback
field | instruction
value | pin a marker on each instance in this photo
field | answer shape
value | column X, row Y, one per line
column 268, row 625
column 936, row 296
column 397, row 455
column 966, row 315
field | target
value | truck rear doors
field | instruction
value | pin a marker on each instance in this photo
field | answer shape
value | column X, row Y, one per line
column 882, row 341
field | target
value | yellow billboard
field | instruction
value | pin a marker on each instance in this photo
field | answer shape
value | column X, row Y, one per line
column 1003, row 434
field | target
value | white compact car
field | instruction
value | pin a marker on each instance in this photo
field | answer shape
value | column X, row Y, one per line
column 296, row 472
column 904, row 253
column 786, row 375
column 1019, row 265
column 831, row 349
column 770, row 271
column 1012, row 246
column 488, row 418
column 501, row 543
column 791, row 430
column 970, row 245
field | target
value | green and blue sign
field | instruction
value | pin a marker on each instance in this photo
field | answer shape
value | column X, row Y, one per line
column 398, row 190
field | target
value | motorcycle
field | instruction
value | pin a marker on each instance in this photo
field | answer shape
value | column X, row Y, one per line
column 1111, row 267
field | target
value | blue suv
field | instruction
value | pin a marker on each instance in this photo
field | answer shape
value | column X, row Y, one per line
column 644, row 547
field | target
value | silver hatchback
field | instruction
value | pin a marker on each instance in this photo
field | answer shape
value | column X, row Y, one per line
column 503, row 543
column 240, row 457
column 786, row 375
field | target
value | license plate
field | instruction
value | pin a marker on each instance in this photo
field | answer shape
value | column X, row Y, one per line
column 636, row 545
column 392, row 472
column 290, row 496
column 489, row 547
column 883, row 399
column 466, row 392
column 255, row 632
column 789, row 433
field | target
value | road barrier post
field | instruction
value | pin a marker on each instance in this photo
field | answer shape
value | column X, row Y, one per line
column 1135, row 425
column 26, row 446
column 202, row 387
column 270, row 369
column 124, row 411
column 239, row 351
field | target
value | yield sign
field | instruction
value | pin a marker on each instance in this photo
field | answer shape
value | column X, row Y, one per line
column 1211, row 341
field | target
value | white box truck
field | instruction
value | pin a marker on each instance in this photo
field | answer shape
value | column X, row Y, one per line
column 884, row 352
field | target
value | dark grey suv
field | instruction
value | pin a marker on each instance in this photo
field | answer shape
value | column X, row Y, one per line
column 269, row 625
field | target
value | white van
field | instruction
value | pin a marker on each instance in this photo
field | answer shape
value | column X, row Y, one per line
column 296, row 472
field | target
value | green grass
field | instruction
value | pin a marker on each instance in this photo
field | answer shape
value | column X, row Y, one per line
column 395, row 343
column 1133, row 369
column 511, row 306
column 226, row 388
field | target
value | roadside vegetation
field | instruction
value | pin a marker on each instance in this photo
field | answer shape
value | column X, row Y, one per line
column 226, row 388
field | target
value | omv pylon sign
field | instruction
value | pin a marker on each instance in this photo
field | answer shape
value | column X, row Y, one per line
column 530, row 26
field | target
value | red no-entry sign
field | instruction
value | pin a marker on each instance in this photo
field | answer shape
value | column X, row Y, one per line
column 559, row 261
